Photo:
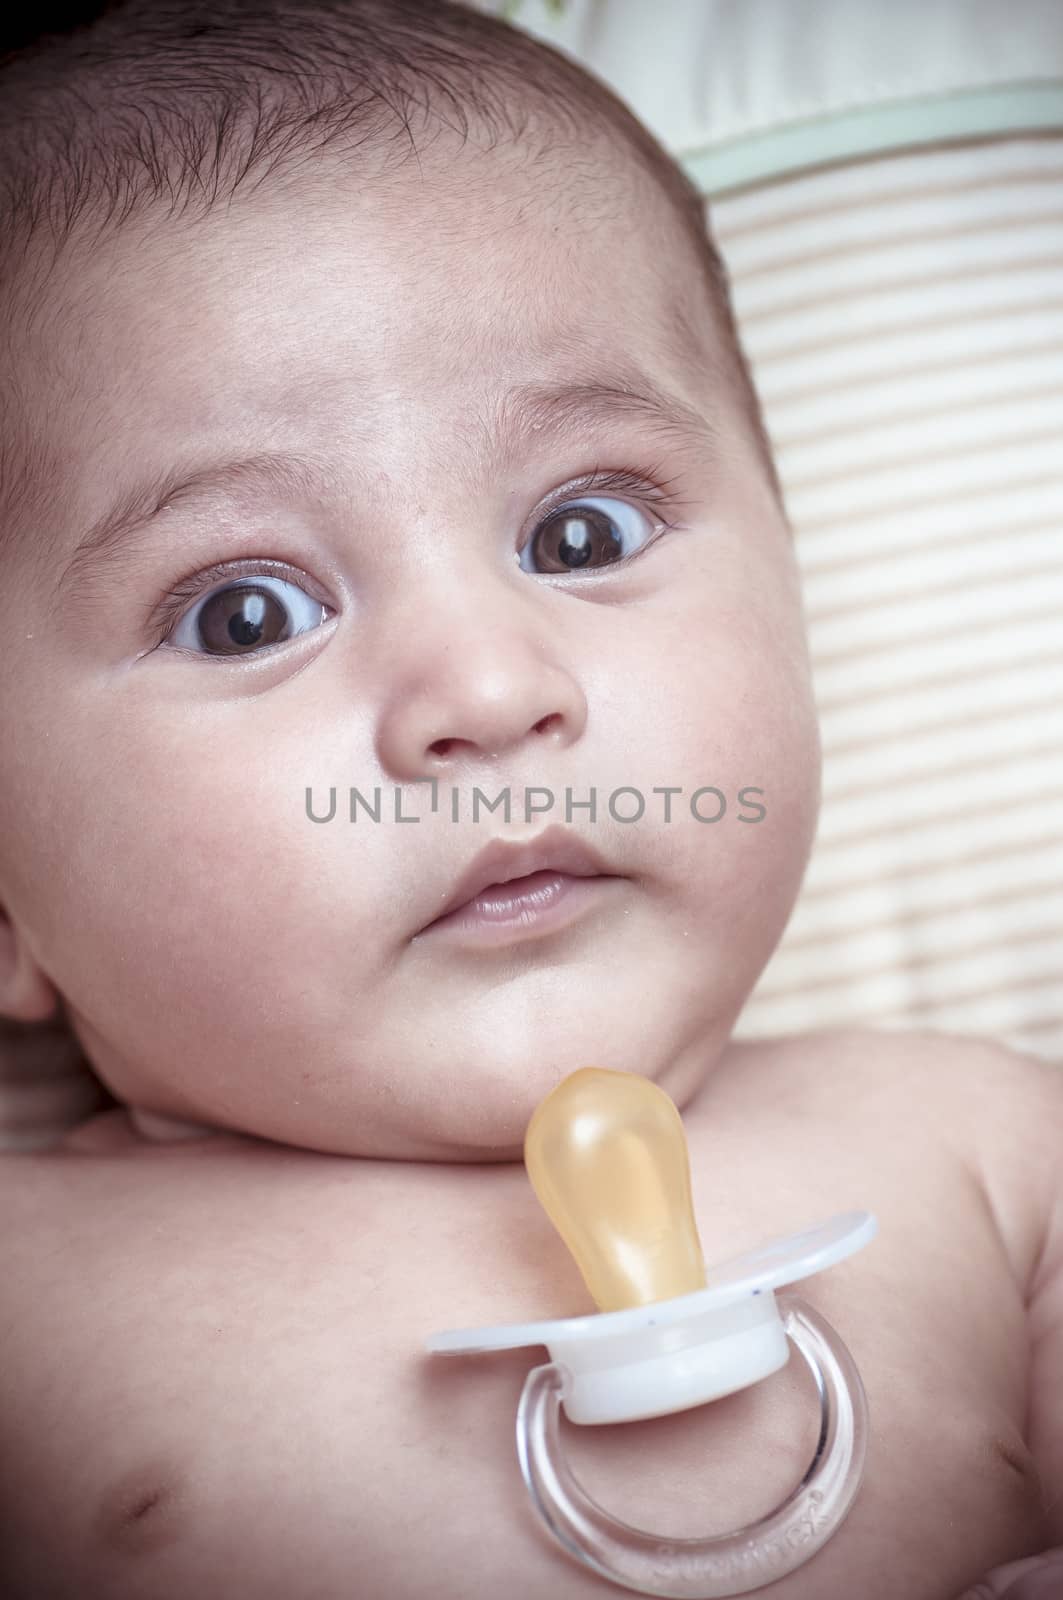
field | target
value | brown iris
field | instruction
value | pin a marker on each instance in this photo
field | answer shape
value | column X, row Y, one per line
column 570, row 539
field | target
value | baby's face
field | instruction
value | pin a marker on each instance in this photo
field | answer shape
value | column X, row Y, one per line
column 227, row 960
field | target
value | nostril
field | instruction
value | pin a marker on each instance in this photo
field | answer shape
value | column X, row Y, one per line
column 547, row 722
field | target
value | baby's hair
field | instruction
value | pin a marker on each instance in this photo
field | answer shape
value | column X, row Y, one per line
column 181, row 106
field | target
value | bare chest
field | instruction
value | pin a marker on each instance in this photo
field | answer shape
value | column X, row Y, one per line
column 215, row 1379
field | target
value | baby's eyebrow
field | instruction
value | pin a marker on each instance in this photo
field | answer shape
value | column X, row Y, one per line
column 546, row 409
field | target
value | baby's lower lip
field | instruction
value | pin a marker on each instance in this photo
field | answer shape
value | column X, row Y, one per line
column 521, row 908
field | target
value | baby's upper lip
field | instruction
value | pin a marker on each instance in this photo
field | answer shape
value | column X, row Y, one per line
column 555, row 849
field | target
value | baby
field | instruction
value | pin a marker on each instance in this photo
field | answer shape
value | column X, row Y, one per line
column 373, row 414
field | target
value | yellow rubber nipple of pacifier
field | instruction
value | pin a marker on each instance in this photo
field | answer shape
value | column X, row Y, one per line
column 606, row 1154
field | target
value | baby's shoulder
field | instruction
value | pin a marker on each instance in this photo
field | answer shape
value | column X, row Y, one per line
column 922, row 1060
column 986, row 1089
column 999, row 1110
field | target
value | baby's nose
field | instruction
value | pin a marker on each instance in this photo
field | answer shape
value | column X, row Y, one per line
column 499, row 682
column 480, row 711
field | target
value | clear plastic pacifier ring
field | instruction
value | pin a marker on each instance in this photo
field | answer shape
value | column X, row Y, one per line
column 607, row 1157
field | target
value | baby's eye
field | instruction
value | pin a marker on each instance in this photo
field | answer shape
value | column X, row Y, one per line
column 579, row 534
column 245, row 615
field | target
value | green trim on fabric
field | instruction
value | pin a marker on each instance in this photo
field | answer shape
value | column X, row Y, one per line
column 1008, row 109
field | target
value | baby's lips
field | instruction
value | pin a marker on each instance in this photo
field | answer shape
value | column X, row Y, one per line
column 556, row 849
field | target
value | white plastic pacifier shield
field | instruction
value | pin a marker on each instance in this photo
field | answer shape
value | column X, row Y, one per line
column 650, row 1360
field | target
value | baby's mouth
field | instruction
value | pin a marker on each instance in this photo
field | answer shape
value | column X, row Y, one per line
column 521, row 908
column 522, row 883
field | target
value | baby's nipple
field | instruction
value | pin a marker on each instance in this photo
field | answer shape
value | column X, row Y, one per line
column 606, row 1154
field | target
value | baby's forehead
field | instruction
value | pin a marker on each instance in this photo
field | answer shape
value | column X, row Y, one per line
column 422, row 279
column 449, row 279
column 174, row 345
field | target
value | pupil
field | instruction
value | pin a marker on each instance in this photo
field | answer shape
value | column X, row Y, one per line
column 247, row 628
column 576, row 552
column 577, row 538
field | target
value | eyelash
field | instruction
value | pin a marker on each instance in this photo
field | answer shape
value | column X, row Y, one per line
column 647, row 486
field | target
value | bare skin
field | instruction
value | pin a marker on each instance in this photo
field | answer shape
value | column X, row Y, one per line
column 216, row 1382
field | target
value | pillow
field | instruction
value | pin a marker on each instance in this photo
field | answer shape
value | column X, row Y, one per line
column 904, row 320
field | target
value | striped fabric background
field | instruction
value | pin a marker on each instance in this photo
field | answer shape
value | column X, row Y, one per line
column 904, row 319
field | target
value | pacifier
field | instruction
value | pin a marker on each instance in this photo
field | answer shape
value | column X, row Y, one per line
column 607, row 1157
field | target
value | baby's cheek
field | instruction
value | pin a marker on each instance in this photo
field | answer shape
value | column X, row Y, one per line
column 194, row 910
column 755, row 727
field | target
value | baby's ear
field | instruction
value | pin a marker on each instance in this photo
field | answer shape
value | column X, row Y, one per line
column 26, row 993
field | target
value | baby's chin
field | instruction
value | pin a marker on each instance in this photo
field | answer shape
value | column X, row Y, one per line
column 154, row 1128
column 482, row 1121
